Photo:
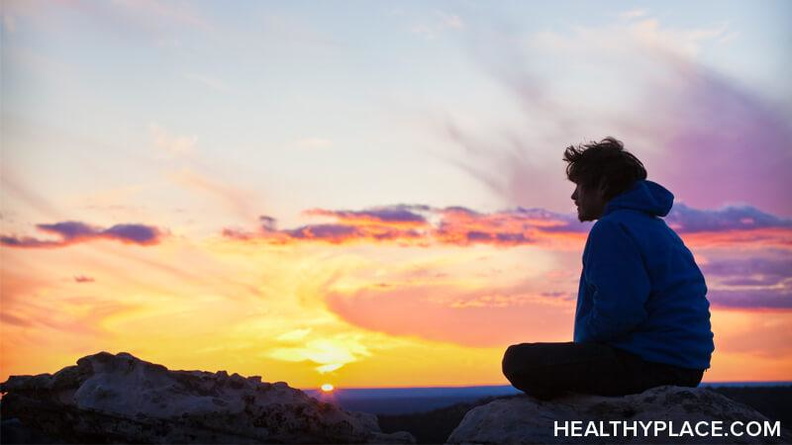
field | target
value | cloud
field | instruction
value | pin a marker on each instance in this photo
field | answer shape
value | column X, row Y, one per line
column 512, row 227
column 330, row 353
column 394, row 215
column 755, row 239
column 84, row 279
column 733, row 144
column 69, row 230
column 420, row 225
column 761, row 270
column 758, row 282
column 731, row 225
column 339, row 233
column 448, row 313
column 133, row 233
column 513, row 166
column 694, row 127
column 764, row 298
column 73, row 232
column 685, row 219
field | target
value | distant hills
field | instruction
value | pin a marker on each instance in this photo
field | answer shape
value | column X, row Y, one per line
column 397, row 401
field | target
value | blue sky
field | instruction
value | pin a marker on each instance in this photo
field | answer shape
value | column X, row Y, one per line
column 312, row 100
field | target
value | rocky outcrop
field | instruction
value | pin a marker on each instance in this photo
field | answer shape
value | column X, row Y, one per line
column 587, row 419
column 110, row 398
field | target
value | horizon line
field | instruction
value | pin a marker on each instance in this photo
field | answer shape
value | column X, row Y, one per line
column 366, row 388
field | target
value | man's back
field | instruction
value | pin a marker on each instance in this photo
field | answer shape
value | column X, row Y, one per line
column 651, row 295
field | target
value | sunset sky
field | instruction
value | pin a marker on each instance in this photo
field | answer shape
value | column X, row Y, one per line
column 371, row 193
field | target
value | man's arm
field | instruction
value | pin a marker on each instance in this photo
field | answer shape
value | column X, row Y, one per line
column 616, row 273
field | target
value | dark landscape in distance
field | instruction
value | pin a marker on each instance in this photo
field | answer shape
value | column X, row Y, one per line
column 430, row 414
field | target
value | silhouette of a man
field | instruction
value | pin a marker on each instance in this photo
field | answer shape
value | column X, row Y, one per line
column 642, row 317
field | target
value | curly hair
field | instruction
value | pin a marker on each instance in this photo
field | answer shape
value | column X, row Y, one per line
column 603, row 164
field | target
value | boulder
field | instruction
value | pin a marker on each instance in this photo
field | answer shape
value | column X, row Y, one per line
column 118, row 398
column 577, row 418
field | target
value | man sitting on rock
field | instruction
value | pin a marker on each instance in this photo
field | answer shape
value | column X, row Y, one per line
column 642, row 317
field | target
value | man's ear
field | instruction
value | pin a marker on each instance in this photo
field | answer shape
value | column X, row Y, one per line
column 602, row 188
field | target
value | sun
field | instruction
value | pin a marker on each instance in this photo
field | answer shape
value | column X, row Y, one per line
column 327, row 387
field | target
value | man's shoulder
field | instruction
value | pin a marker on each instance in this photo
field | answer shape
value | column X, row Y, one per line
column 632, row 223
column 613, row 220
column 607, row 227
column 642, row 227
column 628, row 216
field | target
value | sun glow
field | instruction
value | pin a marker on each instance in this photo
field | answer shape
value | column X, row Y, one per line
column 327, row 387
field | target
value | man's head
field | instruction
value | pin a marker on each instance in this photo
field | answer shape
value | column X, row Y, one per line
column 601, row 170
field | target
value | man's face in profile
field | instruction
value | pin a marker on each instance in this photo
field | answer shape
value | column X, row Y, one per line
column 590, row 202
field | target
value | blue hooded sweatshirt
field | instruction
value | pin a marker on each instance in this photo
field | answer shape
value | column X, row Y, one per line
column 641, row 290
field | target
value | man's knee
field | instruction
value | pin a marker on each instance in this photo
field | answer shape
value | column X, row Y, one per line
column 537, row 360
column 511, row 362
column 510, row 366
column 519, row 360
column 523, row 367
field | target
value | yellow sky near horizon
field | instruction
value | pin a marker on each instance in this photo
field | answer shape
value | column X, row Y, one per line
column 365, row 316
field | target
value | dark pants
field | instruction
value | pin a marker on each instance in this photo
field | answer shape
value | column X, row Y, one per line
column 546, row 370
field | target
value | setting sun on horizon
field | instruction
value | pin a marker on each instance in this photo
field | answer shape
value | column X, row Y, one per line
column 372, row 194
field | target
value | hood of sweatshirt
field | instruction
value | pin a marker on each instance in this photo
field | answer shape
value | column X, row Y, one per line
column 644, row 196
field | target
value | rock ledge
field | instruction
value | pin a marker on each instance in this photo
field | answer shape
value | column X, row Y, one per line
column 525, row 420
column 118, row 398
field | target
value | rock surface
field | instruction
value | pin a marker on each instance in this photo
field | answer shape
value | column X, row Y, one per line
column 110, row 398
column 525, row 420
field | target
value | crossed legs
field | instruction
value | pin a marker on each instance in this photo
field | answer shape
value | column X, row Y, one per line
column 546, row 370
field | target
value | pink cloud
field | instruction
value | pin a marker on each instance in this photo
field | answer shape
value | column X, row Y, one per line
column 722, row 142
column 711, row 139
column 448, row 314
